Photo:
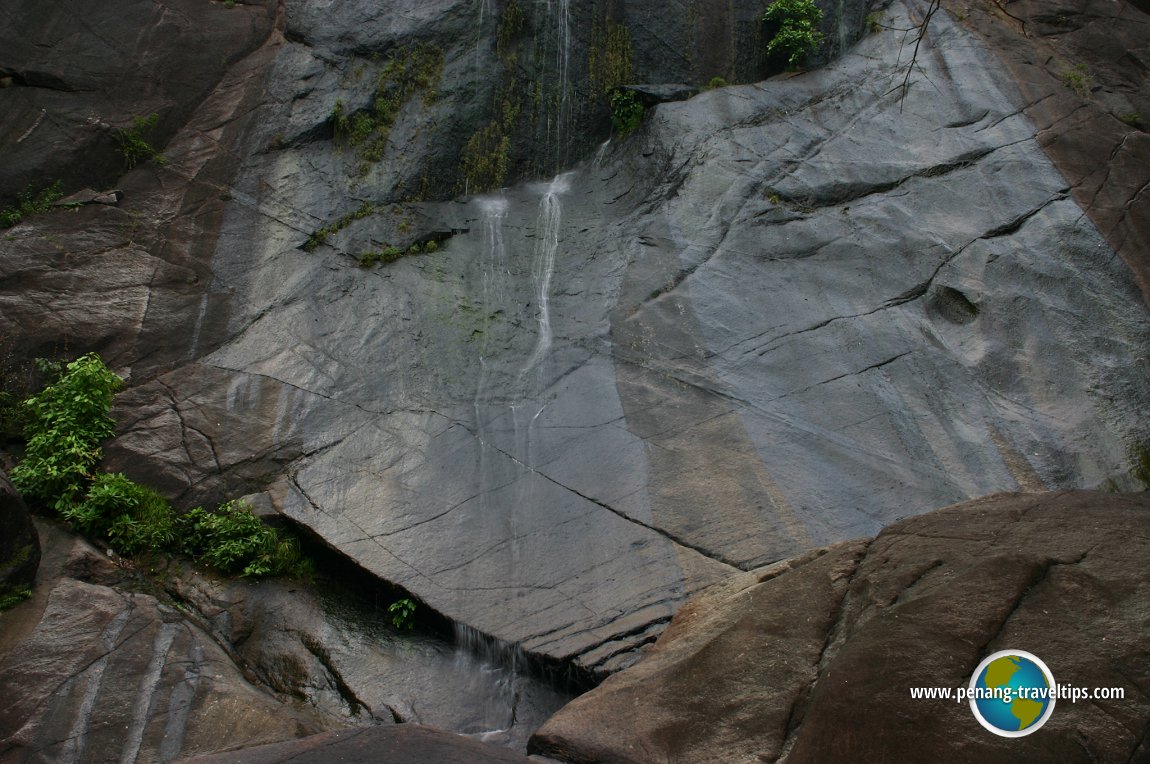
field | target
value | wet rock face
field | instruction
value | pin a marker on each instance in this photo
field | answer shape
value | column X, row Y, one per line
column 813, row 660
column 19, row 544
column 775, row 317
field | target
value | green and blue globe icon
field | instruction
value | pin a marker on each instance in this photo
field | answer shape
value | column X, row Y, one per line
column 1012, row 693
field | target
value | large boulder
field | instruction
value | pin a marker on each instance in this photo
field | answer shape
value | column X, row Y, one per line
column 338, row 654
column 408, row 744
column 19, row 543
column 813, row 660
column 95, row 673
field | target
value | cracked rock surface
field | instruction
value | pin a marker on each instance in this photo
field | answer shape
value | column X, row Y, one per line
column 756, row 327
column 812, row 660
column 776, row 317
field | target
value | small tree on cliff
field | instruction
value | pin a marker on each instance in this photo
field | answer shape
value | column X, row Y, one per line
column 796, row 22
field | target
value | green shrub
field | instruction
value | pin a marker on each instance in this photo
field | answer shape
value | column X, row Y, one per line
column 131, row 517
column 626, row 112
column 402, row 614
column 233, row 540
column 30, row 203
column 67, row 421
column 797, row 29
column 716, row 82
column 134, row 144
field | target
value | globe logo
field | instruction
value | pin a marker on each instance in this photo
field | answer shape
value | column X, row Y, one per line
column 1012, row 693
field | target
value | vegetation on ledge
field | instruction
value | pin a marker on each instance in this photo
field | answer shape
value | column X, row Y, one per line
column 66, row 423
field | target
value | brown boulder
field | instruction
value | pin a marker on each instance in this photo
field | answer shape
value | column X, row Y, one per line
column 91, row 673
column 403, row 744
column 813, row 660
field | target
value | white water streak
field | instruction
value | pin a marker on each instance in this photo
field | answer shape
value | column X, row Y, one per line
column 547, row 244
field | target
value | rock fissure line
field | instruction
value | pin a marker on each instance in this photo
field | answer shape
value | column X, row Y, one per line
column 320, row 653
column 622, row 515
column 185, row 427
column 803, row 697
column 306, row 390
column 872, row 367
column 899, row 598
column 1036, row 580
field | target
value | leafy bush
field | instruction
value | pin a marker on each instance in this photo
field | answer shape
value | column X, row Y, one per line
column 797, row 29
column 134, row 145
column 67, row 421
column 626, row 112
column 233, row 540
column 716, row 82
column 30, row 203
column 402, row 614
column 132, row 517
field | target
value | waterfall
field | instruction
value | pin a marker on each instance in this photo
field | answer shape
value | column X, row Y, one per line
column 497, row 666
column 563, row 129
column 547, row 244
column 554, row 51
column 601, row 153
column 484, row 12
column 495, row 271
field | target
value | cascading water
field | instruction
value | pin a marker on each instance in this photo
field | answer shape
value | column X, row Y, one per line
column 563, row 46
column 547, row 244
column 495, row 668
column 553, row 60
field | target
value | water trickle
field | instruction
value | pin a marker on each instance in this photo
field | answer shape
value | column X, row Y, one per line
column 554, row 50
column 601, row 153
column 495, row 270
column 563, row 129
column 480, row 36
column 547, row 244
column 193, row 351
